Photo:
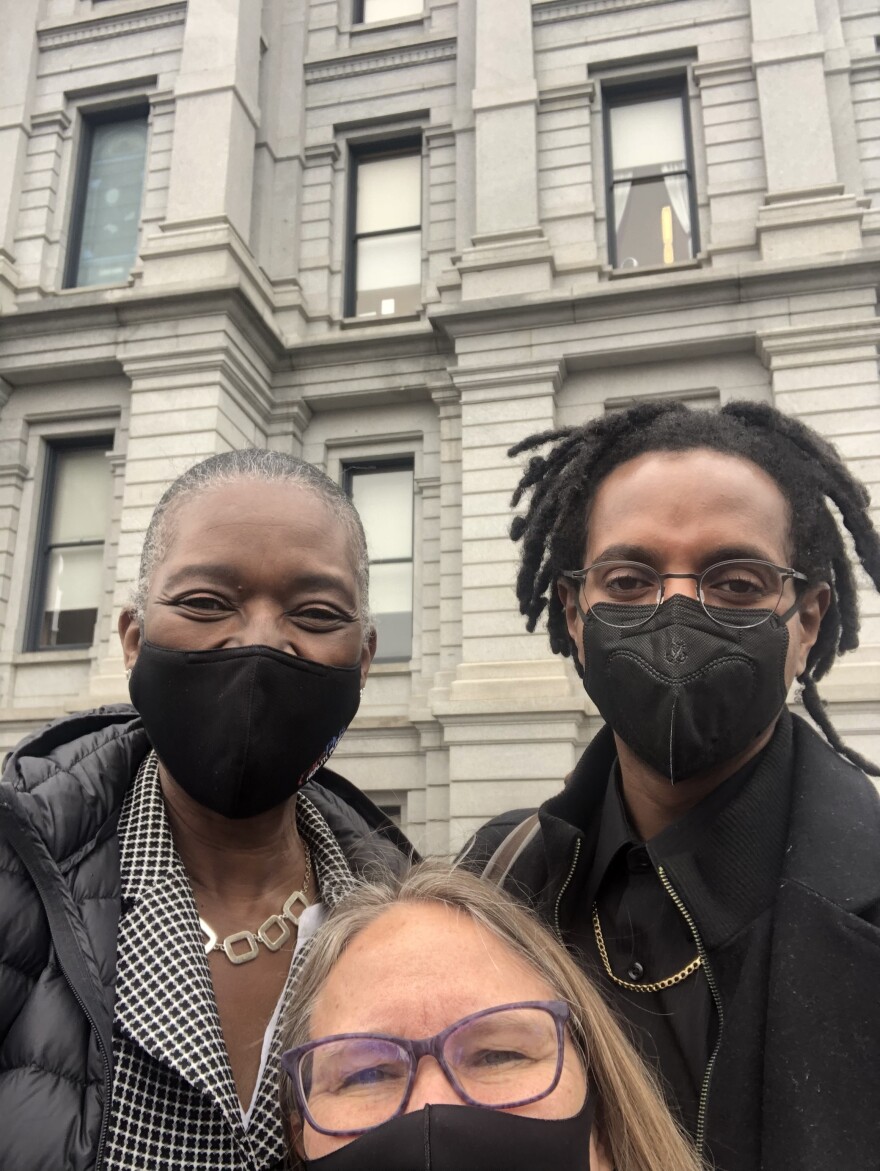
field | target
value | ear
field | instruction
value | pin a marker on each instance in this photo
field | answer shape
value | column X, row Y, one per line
column 809, row 619
column 130, row 636
column 567, row 591
column 367, row 653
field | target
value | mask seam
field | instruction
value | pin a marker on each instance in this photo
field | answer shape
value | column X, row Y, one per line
column 632, row 656
column 250, row 714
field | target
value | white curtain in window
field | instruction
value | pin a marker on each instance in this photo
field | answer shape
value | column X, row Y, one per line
column 679, row 197
column 621, row 195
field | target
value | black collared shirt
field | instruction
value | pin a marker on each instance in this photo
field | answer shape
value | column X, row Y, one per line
column 648, row 939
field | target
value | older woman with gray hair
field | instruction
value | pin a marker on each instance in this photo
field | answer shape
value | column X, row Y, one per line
column 438, row 1026
column 163, row 867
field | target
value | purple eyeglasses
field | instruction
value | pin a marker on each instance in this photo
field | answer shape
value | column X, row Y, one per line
column 500, row 1057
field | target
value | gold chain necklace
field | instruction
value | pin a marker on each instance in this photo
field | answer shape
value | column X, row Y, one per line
column 659, row 985
column 275, row 923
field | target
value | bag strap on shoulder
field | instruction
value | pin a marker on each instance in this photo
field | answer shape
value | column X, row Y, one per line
column 500, row 864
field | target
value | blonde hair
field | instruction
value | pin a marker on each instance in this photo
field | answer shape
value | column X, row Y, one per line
column 635, row 1127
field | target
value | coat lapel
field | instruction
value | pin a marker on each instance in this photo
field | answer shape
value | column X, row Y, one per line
column 164, row 995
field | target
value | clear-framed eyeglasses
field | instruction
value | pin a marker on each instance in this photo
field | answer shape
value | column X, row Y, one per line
column 740, row 593
column 500, row 1057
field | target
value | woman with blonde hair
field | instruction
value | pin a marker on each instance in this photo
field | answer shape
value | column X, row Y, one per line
column 440, row 964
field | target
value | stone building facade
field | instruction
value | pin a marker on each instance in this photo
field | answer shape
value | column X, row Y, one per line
column 396, row 236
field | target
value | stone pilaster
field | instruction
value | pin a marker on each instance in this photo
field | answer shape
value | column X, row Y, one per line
column 18, row 54
column 511, row 712
column 807, row 210
column 510, row 253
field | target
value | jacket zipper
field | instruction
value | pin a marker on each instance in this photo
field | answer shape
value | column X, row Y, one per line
column 565, row 885
column 713, row 988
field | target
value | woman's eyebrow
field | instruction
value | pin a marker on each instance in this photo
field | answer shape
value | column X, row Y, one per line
column 221, row 574
column 218, row 573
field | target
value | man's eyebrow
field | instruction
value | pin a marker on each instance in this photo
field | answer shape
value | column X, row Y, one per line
column 648, row 555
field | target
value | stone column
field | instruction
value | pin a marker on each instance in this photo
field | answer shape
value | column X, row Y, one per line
column 18, row 69
column 189, row 400
column 806, row 210
column 826, row 374
column 510, row 253
column 212, row 160
column 513, row 716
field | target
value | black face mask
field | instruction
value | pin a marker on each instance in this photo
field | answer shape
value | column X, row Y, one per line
column 467, row 1138
column 681, row 691
column 240, row 730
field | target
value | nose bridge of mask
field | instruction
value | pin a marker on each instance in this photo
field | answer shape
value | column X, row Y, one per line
column 681, row 643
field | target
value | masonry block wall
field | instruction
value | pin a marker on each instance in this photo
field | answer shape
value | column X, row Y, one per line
column 402, row 237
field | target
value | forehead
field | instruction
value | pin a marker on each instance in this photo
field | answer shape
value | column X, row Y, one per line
column 416, row 969
column 687, row 503
column 261, row 523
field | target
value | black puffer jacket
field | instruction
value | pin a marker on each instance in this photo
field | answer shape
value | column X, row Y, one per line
column 60, row 799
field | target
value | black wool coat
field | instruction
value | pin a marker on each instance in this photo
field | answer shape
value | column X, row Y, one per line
column 61, row 794
column 796, row 1082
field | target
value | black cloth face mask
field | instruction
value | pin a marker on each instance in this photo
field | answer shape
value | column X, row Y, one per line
column 467, row 1138
column 241, row 729
column 683, row 692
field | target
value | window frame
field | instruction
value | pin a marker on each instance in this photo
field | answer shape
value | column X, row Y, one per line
column 359, row 7
column 89, row 121
column 42, row 549
column 392, row 463
column 399, row 147
column 632, row 93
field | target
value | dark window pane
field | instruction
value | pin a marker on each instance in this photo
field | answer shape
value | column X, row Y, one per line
column 112, row 204
column 652, row 221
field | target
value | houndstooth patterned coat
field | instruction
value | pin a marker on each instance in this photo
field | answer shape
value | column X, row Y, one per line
column 174, row 1102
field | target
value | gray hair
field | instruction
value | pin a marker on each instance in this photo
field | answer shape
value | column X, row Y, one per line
column 253, row 463
column 634, row 1124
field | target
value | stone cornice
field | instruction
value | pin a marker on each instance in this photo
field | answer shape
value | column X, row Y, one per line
column 553, row 10
column 379, row 60
column 708, row 73
column 98, row 28
column 523, row 380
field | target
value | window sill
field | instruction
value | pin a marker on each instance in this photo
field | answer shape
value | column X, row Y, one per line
column 415, row 20
column 53, row 655
column 386, row 319
column 616, row 274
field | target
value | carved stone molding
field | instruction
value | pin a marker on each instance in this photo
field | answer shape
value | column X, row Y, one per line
column 379, row 60
column 572, row 9
column 101, row 27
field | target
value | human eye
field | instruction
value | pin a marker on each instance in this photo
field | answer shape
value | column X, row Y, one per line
column 203, row 603
column 370, row 1076
column 743, row 584
column 625, row 582
column 320, row 616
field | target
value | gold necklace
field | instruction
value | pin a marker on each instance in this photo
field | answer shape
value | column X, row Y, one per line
column 278, row 923
column 659, row 985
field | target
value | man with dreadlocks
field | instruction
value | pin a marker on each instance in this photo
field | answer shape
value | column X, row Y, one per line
column 714, row 861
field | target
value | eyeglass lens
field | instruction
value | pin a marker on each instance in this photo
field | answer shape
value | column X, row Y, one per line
column 741, row 593
column 504, row 1058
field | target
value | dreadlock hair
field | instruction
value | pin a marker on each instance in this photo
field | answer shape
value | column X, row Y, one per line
column 809, row 472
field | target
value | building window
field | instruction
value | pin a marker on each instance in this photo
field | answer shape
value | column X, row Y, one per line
column 383, row 495
column 649, row 167
column 368, row 11
column 73, row 526
column 107, row 203
column 385, row 247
